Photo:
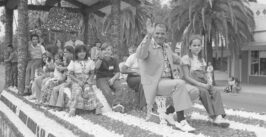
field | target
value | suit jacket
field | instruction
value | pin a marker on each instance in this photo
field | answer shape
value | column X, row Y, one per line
column 151, row 60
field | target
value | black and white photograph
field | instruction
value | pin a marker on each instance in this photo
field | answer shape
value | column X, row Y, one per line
column 132, row 68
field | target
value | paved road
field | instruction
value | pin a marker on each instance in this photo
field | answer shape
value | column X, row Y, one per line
column 246, row 101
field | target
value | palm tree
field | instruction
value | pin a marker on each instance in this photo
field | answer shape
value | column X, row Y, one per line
column 115, row 31
column 22, row 32
column 132, row 26
column 229, row 19
column 8, row 21
column 94, row 28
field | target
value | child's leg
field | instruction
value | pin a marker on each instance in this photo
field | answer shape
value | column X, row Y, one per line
column 36, row 63
column 27, row 76
column 61, row 97
column 8, row 67
column 54, row 96
column 14, row 74
column 93, row 101
column 102, row 84
column 75, row 93
column 12, row 79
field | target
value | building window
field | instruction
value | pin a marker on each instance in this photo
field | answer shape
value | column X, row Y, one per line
column 258, row 63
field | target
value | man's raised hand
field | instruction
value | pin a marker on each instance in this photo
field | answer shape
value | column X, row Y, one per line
column 150, row 27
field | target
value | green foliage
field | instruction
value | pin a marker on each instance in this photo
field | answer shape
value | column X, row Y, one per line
column 132, row 23
column 231, row 19
column 60, row 19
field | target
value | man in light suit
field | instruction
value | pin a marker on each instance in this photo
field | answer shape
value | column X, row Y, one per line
column 156, row 61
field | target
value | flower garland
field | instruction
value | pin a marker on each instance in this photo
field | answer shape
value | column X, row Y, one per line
column 120, row 126
column 61, row 19
column 150, row 126
column 259, row 131
column 239, row 113
column 94, row 128
column 11, row 125
column 65, row 124
column 238, row 118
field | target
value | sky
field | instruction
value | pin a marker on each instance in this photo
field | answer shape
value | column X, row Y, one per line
column 162, row 1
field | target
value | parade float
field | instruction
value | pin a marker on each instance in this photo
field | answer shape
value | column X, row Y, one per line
column 20, row 117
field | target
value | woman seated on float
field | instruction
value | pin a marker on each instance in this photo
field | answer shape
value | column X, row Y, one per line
column 81, row 73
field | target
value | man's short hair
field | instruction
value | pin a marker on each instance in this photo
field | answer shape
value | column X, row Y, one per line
column 162, row 25
column 34, row 35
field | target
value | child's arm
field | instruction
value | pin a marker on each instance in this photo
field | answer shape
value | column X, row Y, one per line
column 90, row 79
column 11, row 56
column 189, row 79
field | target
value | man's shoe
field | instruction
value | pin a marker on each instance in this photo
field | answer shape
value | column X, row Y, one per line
column 170, row 118
column 118, row 108
column 184, row 126
column 220, row 121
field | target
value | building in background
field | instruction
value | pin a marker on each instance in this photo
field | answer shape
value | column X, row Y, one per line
column 253, row 54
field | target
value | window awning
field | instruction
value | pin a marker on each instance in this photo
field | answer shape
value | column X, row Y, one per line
column 255, row 46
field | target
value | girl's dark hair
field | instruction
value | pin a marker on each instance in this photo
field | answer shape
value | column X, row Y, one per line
column 191, row 38
column 70, row 49
column 79, row 49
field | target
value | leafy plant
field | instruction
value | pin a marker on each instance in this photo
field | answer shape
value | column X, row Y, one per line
column 231, row 19
column 132, row 23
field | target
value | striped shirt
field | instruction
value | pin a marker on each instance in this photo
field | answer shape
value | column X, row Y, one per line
column 36, row 52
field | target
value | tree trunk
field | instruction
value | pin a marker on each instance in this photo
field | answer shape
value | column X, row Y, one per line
column 210, row 56
column 86, row 30
column 92, row 31
column 209, row 51
column 222, row 55
column 115, row 30
column 8, row 41
column 236, row 64
column 22, row 31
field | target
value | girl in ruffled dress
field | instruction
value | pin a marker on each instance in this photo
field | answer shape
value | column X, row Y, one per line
column 81, row 73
